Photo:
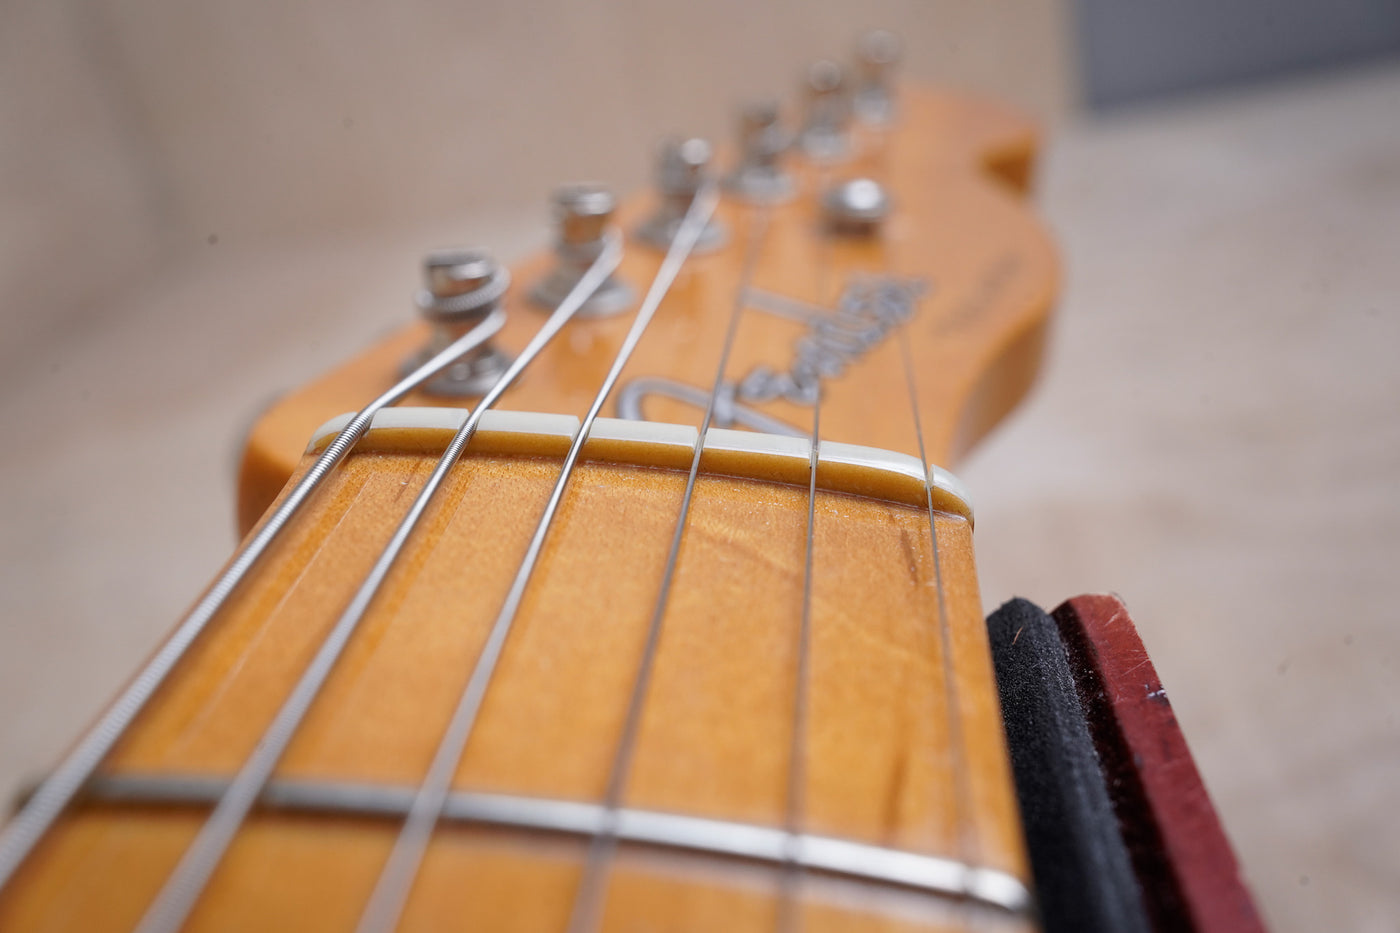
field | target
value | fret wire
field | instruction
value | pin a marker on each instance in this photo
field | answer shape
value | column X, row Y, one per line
column 968, row 847
column 57, row 792
column 587, row 913
column 183, row 887
column 391, row 892
column 721, row 840
column 797, row 756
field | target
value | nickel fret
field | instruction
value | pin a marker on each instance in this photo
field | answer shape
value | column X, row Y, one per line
column 723, row 839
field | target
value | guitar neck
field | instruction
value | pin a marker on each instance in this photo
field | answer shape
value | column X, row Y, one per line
column 881, row 732
column 532, row 668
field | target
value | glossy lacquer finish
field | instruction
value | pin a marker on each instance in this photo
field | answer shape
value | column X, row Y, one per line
column 819, row 667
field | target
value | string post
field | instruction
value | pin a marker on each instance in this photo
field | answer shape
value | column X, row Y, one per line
column 683, row 168
column 826, row 130
column 877, row 58
column 461, row 288
column 759, row 175
column 583, row 216
column 856, row 207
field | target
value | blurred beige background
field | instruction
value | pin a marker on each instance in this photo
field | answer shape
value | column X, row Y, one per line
column 202, row 204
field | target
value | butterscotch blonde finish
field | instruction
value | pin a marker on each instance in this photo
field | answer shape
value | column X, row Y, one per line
column 956, row 169
column 894, row 753
column 880, row 761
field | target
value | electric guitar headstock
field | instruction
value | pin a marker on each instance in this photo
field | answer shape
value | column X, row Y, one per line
column 884, row 221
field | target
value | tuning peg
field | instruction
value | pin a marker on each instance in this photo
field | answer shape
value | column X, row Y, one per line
column 877, row 55
column 583, row 214
column 682, row 166
column 762, row 142
column 461, row 287
column 825, row 132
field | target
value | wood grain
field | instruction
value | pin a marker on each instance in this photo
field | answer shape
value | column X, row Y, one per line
column 716, row 731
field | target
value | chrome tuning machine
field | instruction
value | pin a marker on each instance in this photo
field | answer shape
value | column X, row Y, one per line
column 825, row 133
column 759, row 176
column 584, row 214
column 682, row 167
column 461, row 288
column 877, row 56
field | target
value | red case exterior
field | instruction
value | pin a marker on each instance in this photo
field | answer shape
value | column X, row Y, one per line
column 1188, row 872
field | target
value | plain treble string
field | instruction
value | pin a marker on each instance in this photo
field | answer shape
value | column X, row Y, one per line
column 183, row 887
column 795, row 816
column 968, row 849
column 391, row 892
column 57, row 792
column 587, row 909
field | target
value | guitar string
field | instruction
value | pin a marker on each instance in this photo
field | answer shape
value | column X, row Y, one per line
column 788, row 908
column 183, row 886
column 967, row 843
column 588, row 900
column 68, row 779
column 395, row 882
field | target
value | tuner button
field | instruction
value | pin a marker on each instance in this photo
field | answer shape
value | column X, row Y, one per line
column 856, row 207
column 762, row 141
column 877, row 55
column 682, row 166
column 824, row 133
column 461, row 287
column 583, row 214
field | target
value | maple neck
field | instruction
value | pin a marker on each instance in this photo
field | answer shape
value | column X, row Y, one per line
column 882, row 748
column 530, row 666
